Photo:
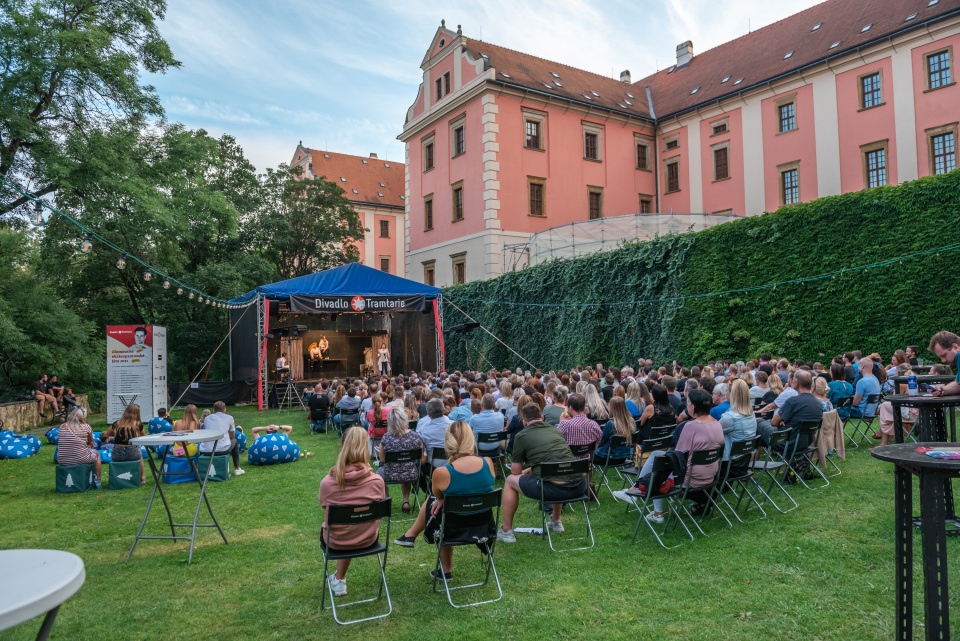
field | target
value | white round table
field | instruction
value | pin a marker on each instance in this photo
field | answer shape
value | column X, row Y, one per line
column 173, row 438
column 36, row 582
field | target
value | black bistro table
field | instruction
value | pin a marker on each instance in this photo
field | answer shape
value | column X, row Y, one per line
column 936, row 420
column 930, row 379
column 934, row 477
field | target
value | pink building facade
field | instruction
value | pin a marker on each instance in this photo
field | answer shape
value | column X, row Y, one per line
column 501, row 145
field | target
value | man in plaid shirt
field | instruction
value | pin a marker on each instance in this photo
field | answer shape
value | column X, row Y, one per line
column 578, row 429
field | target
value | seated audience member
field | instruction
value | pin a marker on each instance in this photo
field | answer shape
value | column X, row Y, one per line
column 377, row 420
column 119, row 435
column 789, row 391
column 160, row 423
column 462, row 411
column 69, row 401
column 189, row 422
column 350, row 482
column 506, row 400
column 411, row 407
column 658, row 413
column 721, row 400
column 866, row 386
column 55, row 388
column 398, row 393
column 348, row 403
column 801, row 407
column 266, row 430
column 372, row 392
column 577, row 429
column 759, row 388
column 621, row 424
column 464, row 474
column 488, row 421
column 634, row 399
column 75, row 443
column 675, row 397
column 839, row 389
column 738, row 423
column 42, row 396
column 539, row 442
column 552, row 413
column 204, row 416
column 516, row 423
column 596, row 408
column 432, row 431
column 319, row 405
column 821, row 389
column 399, row 438
column 908, row 415
column 702, row 432
column 227, row 444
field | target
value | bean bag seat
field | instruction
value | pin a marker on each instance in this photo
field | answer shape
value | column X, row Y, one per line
column 241, row 441
column 75, row 478
column 53, row 435
column 178, row 465
column 13, row 446
column 96, row 439
column 271, row 449
column 124, row 475
column 106, row 456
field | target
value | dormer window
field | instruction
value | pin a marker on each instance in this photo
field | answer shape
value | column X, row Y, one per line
column 866, row 28
column 342, row 179
column 737, row 81
column 364, row 160
column 789, row 54
column 695, row 90
column 505, row 75
column 629, row 95
column 835, row 45
column 554, row 74
column 725, row 78
column 817, row 26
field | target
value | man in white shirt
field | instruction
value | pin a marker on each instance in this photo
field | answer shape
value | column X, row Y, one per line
column 282, row 361
column 398, row 394
column 227, row 443
column 432, row 429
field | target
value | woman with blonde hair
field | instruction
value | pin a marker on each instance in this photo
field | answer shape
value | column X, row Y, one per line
column 596, row 409
column 410, row 406
column 635, row 402
column 464, row 474
column 341, row 392
column 76, row 443
column 189, row 422
column 739, row 423
column 128, row 427
column 620, row 424
column 747, row 377
column 204, row 416
column 505, row 402
column 399, row 438
column 350, row 482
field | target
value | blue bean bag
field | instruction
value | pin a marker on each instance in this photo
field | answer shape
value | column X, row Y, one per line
column 53, row 435
column 13, row 446
column 272, row 449
column 241, row 441
column 178, row 465
column 106, row 456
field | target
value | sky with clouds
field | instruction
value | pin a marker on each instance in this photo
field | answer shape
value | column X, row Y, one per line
column 340, row 75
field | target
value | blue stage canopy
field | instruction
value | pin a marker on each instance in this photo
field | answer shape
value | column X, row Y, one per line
column 353, row 279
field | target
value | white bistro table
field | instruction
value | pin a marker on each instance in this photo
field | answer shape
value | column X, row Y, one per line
column 37, row 582
column 171, row 439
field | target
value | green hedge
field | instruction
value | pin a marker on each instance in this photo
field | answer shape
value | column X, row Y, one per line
column 878, row 309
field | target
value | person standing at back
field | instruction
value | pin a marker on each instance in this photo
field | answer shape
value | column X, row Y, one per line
column 226, row 444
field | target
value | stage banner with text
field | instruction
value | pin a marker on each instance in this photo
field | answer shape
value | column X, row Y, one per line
column 136, row 369
column 356, row 304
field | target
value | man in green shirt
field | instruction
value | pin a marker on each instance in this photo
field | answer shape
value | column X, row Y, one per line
column 538, row 442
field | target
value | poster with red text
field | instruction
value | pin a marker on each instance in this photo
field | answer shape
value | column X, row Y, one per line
column 136, row 369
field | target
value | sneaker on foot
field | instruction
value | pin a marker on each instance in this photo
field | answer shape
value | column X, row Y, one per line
column 339, row 585
column 621, row 495
column 653, row 517
column 506, row 537
column 405, row 541
column 555, row 526
column 436, row 575
column 238, row 472
column 42, row 415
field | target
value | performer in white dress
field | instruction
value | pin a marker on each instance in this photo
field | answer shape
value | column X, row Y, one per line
column 324, row 346
column 384, row 361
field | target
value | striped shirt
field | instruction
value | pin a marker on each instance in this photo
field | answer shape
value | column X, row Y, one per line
column 73, row 449
column 580, row 430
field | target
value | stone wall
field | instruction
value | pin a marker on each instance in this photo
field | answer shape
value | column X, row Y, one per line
column 23, row 416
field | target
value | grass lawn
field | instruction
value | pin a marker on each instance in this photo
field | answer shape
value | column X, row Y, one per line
column 823, row 571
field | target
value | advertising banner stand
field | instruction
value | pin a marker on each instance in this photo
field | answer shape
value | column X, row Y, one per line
column 136, row 369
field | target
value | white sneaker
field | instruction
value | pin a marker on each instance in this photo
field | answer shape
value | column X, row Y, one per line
column 621, row 495
column 555, row 526
column 238, row 472
column 654, row 518
column 506, row 537
column 339, row 585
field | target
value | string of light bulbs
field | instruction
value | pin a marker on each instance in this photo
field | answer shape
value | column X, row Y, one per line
column 91, row 236
column 740, row 290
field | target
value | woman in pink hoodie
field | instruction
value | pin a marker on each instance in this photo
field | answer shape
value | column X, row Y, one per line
column 350, row 482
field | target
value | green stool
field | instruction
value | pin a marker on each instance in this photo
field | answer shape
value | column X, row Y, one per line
column 124, row 475
column 220, row 470
column 75, row 478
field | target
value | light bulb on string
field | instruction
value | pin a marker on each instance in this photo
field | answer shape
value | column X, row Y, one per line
column 87, row 245
column 179, row 291
column 199, row 299
column 208, row 301
column 37, row 213
column 166, row 283
column 191, row 295
column 122, row 261
column 147, row 275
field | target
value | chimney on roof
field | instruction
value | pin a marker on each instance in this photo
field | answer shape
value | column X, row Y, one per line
column 373, row 155
column 684, row 53
column 625, row 76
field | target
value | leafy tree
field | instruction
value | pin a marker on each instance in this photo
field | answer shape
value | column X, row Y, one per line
column 69, row 66
column 304, row 225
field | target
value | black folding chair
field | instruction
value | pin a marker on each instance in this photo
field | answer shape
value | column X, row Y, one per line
column 348, row 418
column 412, row 425
column 609, row 463
column 436, row 454
column 660, row 469
column 711, row 489
column 496, row 455
column 865, row 421
column 353, row 515
column 664, row 442
column 397, row 458
column 772, row 466
column 586, row 452
column 453, row 505
column 845, row 402
column 802, row 457
column 550, row 471
column 740, row 452
column 656, row 434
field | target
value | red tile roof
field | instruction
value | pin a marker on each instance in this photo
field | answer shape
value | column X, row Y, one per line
column 577, row 84
column 363, row 174
column 755, row 57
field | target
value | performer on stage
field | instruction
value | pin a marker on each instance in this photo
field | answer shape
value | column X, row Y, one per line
column 324, row 346
column 282, row 361
column 384, row 360
column 313, row 351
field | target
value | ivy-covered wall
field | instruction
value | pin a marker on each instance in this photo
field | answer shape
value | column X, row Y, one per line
column 878, row 309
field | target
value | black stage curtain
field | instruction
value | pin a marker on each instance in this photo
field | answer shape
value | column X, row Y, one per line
column 207, row 393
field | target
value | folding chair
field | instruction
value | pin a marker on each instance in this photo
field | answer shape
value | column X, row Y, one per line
column 662, row 468
column 648, row 446
column 586, row 452
column 436, row 454
column 405, row 456
column 865, row 420
column 613, row 443
column 740, row 450
column 554, row 470
column 711, row 489
column 810, row 429
column 412, row 425
column 496, row 455
column 352, row 515
column 452, row 505
column 657, row 434
column 845, row 402
column 348, row 418
column 771, row 466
